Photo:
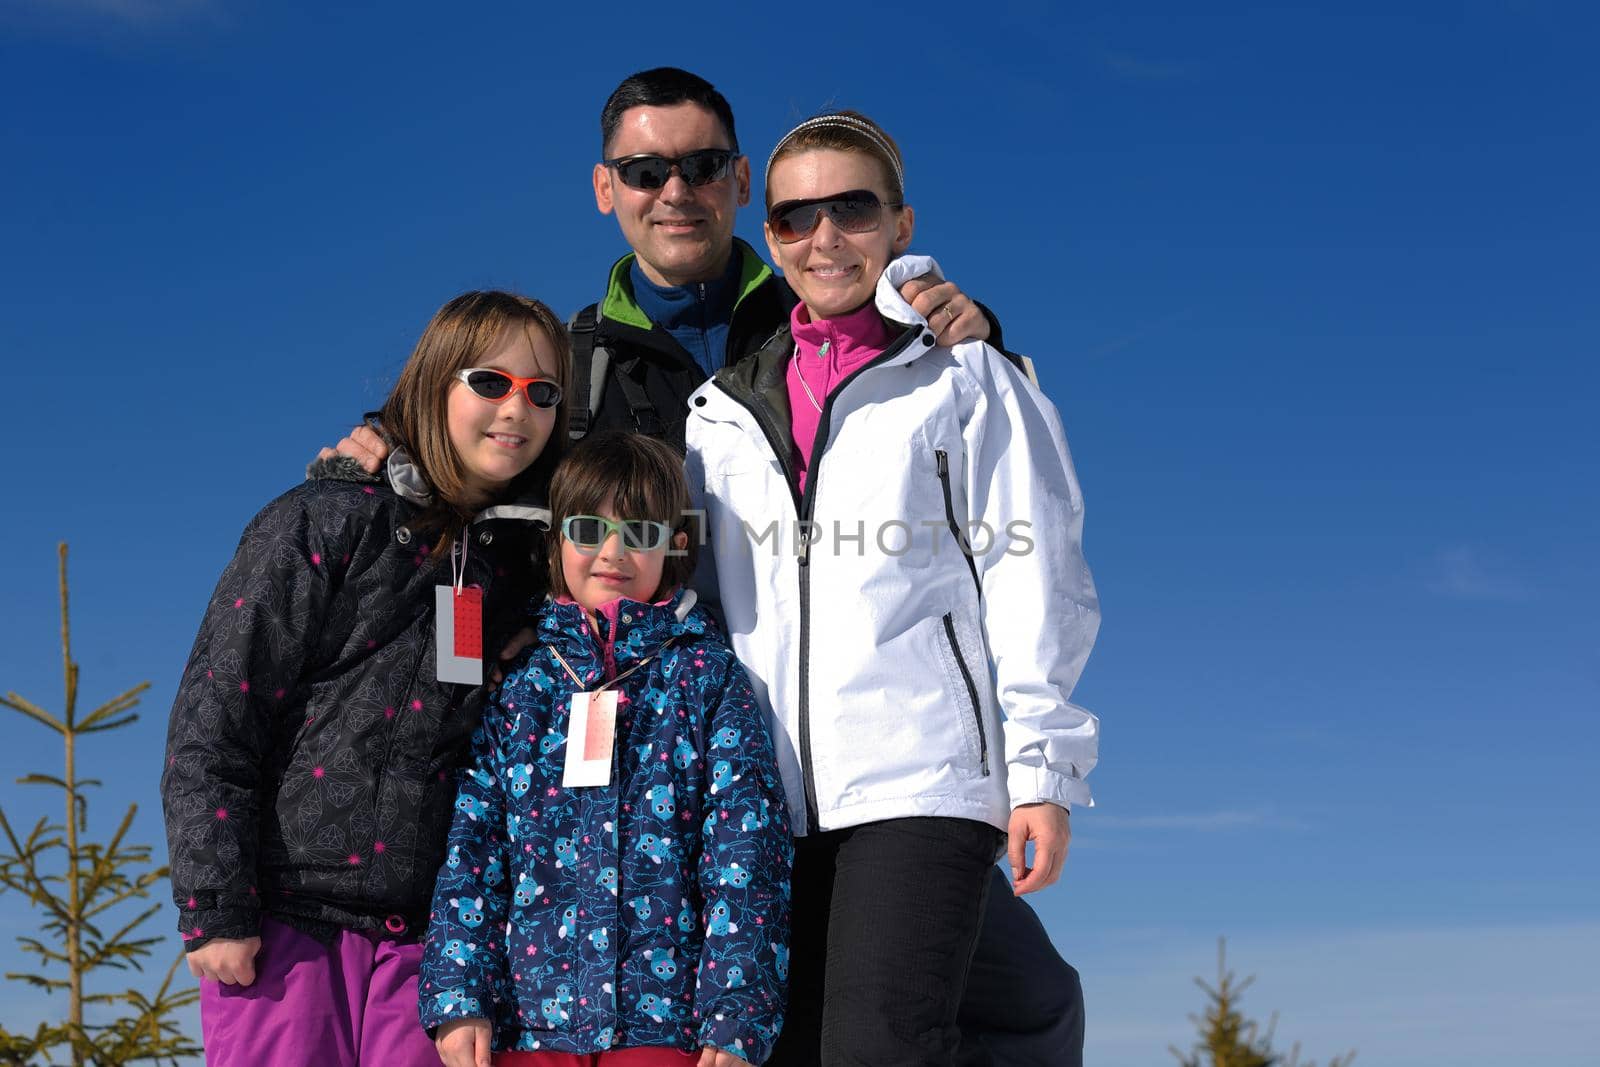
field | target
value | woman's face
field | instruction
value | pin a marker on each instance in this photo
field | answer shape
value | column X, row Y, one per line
column 498, row 440
column 834, row 272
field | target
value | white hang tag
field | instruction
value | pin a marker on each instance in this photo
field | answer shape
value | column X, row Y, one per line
column 591, row 730
column 458, row 633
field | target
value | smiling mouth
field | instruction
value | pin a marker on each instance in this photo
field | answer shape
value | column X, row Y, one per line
column 507, row 440
column 831, row 273
column 615, row 579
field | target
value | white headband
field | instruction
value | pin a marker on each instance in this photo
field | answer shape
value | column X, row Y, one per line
column 845, row 122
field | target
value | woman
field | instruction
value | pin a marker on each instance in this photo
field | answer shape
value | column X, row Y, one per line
column 935, row 580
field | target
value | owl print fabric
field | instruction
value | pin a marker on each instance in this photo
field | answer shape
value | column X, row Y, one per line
column 652, row 911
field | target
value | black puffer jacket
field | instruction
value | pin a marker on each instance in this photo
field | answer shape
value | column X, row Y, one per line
column 311, row 747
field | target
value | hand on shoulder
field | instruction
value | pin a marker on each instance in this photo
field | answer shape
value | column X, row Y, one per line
column 363, row 445
column 953, row 315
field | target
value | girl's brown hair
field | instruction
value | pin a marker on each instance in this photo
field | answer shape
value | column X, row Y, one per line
column 640, row 478
column 415, row 415
column 844, row 131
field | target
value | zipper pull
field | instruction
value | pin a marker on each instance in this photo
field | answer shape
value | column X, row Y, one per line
column 943, row 461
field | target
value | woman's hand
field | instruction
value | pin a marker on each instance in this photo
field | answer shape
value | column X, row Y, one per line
column 716, row 1057
column 463, row 1043
column 953, row 315
column 1048, row 826
column 229, row 960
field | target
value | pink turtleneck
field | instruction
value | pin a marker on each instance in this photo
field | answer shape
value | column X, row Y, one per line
column 826, row 351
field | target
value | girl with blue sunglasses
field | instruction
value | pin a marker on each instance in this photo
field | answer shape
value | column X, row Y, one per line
column 617, row 884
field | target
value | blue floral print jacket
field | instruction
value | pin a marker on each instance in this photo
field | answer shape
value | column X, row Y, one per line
column 653, row 911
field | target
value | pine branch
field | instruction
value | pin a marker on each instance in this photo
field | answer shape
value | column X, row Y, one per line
column 151, row 1033
column 17, row 703
column 38, row 948
column 119, row 946
column 42, row 779
column 38, row 981
column 95, row 721
column 106, row 874
column 24, row 857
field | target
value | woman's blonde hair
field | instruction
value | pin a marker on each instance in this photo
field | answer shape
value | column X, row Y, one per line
column 844, row 131
column 415, row 415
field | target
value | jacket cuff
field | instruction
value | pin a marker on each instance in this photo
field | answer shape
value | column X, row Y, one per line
column 996, row 339
column 201, row 925
column 730, row 1034
column 1032, row 785
column 469, row 998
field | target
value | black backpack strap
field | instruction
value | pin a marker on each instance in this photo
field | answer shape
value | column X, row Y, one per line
column 1025, row 365
column 645, row 419
column 590, row 366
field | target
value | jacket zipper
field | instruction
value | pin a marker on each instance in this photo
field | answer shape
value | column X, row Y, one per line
column 805, row 507
column 615, row 853
column 943, row 460
column 620, row 900
column 705, row 339
column 972, row 691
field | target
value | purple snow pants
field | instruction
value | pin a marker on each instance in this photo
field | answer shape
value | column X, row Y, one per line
column 349, row 1004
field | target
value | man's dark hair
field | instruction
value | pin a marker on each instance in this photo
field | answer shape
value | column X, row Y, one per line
column 663, row 87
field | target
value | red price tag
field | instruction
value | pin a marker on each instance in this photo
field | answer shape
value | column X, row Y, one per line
column 469, row 622
column 458, row 634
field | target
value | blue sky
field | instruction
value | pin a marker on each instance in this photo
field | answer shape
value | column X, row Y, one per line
column 1313, row 287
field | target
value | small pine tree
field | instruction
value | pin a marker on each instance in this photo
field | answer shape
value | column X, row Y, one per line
column 1229, row 1039
column 85, row 889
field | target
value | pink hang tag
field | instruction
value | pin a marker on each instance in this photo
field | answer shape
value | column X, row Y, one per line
column 458, row 633
column 591, row 732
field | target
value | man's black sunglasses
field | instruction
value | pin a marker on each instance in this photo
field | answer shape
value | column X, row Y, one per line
column 652, row 172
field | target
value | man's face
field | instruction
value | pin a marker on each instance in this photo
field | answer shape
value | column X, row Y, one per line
column 681, row 233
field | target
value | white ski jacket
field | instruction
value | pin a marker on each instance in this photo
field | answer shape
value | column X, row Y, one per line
column 883, row 654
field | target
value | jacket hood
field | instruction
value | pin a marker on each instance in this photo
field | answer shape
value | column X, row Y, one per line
column 893, row 306
column 339, row 469
column 404, row 477
column 400, row 472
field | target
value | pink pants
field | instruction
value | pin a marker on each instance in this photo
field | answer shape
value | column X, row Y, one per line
column 348, row 1004
column 622, row 1057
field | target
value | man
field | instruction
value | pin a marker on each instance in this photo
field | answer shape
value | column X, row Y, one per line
column 689, row 299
